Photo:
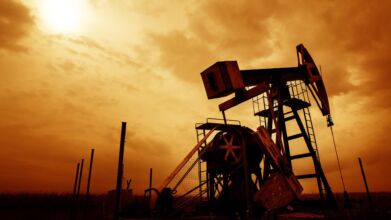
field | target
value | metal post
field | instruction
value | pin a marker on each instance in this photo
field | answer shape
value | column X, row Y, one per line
column 365, row 182
column 224, row 118
column 247, row 179
column 89, row 175
column 150, row 187
column 120, row 172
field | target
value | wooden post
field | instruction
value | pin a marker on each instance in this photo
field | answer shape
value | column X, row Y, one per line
column 78, row 188
column 366, row 184
column 89, row 175
column 150, row 187
column 80, row 176
column 120, row 172
column 72, row 211
column 76, row 180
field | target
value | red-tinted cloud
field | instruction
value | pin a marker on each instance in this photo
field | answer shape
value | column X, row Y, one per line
column 15, row 23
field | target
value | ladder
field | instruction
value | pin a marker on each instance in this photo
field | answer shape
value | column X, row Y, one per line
column 202, row 169
column 298, row 101
column 258, row 107
column 298, row 90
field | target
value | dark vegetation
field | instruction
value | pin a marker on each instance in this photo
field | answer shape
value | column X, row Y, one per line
column 58, row 207
column 49, row 206
column 360, row 206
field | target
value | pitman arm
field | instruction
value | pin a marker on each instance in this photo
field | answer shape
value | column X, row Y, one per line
column 225, row 78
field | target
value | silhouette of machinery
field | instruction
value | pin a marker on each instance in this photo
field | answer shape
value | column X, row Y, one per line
column 232, row 149
column 240, row 168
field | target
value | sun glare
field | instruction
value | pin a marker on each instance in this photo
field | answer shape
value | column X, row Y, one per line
column 62, row 16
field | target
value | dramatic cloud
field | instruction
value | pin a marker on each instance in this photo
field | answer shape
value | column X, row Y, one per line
column 252, row 32
column 140, row 62
column 350, row 40
column 15, row 24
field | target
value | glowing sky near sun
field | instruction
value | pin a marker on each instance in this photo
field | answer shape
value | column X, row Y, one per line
column 60, row 16
column 72, row 71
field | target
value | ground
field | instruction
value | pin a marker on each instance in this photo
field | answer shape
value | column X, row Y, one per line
column 59, row 206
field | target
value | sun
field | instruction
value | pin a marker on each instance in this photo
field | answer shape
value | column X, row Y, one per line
column 62, row 16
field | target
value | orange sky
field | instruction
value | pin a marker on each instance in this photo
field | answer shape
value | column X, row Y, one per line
column 67, row 83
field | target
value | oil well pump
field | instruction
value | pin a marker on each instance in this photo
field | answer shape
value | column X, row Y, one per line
column 240, row 170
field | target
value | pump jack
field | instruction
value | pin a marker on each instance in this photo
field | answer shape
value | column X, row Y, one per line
column 225, row 78
column 233, row 158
